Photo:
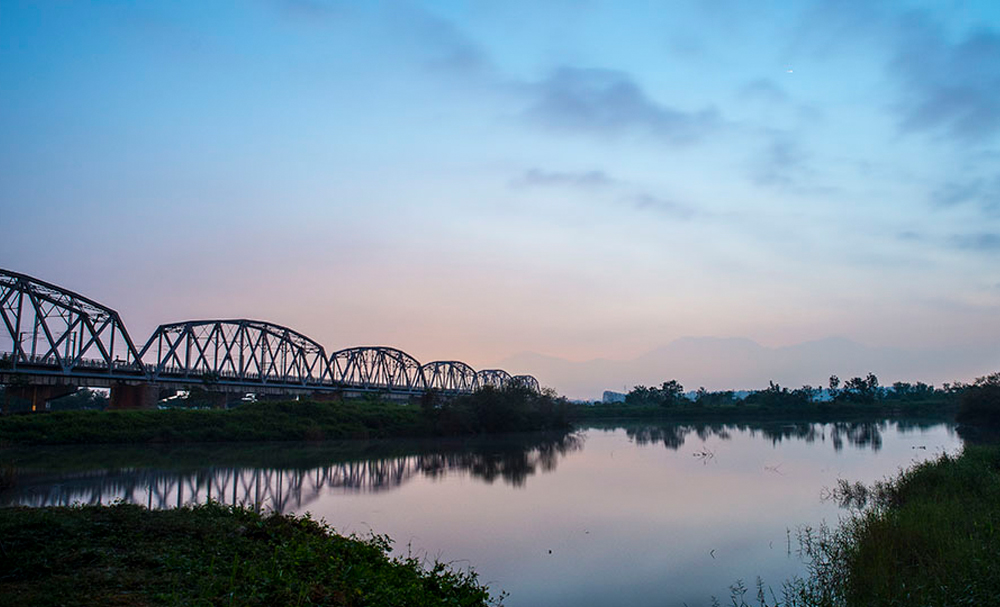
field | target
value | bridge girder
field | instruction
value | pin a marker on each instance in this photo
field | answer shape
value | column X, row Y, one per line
column 65, row 331
column 449, row 376
column 377, row 368
column 494, row 378
column 236, row 351
column 526, row 381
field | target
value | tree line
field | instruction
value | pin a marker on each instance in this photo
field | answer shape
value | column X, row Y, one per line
column 978, row 402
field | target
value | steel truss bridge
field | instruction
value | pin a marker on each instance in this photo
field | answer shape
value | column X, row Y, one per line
column 53, row 338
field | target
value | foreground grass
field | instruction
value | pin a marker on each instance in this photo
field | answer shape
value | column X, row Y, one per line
column 929, row 537
column 208, row 555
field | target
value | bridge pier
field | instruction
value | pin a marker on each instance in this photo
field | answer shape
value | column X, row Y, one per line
column 134, row 396
column 220, row 400
column 35, row 396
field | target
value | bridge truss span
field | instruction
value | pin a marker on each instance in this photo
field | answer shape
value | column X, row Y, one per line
column 449, row 376
column 46, row 328
column 53, row 341
column 494, row 378
column 377, row 368
column 244, row 352
column 526, row 381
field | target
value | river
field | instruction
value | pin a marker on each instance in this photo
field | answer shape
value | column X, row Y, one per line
column 619, row 514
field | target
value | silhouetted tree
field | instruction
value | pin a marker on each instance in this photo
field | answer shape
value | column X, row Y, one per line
column 979, row 404
column 863, row 390
column 669, row 394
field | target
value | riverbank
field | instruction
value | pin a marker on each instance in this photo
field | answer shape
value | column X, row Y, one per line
column 212, row 555
column 941, row 408
column 930, row 536
column 486, row 411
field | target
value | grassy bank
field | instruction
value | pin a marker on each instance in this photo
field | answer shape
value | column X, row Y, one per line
column 929, row 537
column 299, row 420
column 208, row 555
column 511, row 410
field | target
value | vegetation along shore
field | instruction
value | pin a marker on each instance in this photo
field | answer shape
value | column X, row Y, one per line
column 486, row 411
column 929, row 536
column 858, row 396
column 210, row 555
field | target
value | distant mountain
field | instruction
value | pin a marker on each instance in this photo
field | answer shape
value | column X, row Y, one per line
column 739, row 363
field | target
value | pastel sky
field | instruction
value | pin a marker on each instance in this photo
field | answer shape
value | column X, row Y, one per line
column 471, row 180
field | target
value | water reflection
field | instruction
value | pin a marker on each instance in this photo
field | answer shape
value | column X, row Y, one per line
column 290, row 486
column 859, row 434
column 620, row 521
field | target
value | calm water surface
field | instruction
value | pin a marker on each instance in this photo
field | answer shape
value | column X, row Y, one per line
column 631, row 514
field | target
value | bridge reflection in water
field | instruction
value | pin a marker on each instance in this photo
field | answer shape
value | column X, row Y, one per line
column 291, row 476
column 280, row 489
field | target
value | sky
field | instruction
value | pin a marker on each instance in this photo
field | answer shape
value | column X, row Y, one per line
column 475, row 180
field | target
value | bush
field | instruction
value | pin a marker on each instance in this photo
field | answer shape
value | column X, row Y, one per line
column 979, row 404
column 210, row 555
column 491, row 410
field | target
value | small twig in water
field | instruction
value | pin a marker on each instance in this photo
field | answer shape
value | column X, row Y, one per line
column 705, row 455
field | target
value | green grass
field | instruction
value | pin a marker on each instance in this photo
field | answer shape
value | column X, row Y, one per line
column 209, row 555
column 929, row 537
column 293, row 420
column 485, row 411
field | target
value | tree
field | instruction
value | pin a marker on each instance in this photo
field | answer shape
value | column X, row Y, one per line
column 979, row 404
column 670, row 393
column 861, row 390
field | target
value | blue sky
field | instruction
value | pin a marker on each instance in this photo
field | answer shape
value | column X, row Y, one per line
column 475, row 179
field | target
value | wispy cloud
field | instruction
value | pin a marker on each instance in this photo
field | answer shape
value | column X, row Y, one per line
column 780, row 163
column 763, row 90
column 910, row 236
column 948, row 87
column 632, row 195
column 438, row 43
column 583, row 179
column 983, row 193
column 646, row 201
column 610, row 103
column 308, row 11
column 983, row 242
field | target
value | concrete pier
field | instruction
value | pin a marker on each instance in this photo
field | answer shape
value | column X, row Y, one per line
column 134, row 396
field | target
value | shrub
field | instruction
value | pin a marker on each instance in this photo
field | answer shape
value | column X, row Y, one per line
column 979, row 404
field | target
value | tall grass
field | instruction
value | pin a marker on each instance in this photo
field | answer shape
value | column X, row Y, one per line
column 930, row 536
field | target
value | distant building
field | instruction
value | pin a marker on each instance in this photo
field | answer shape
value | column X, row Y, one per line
column 613, row 397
